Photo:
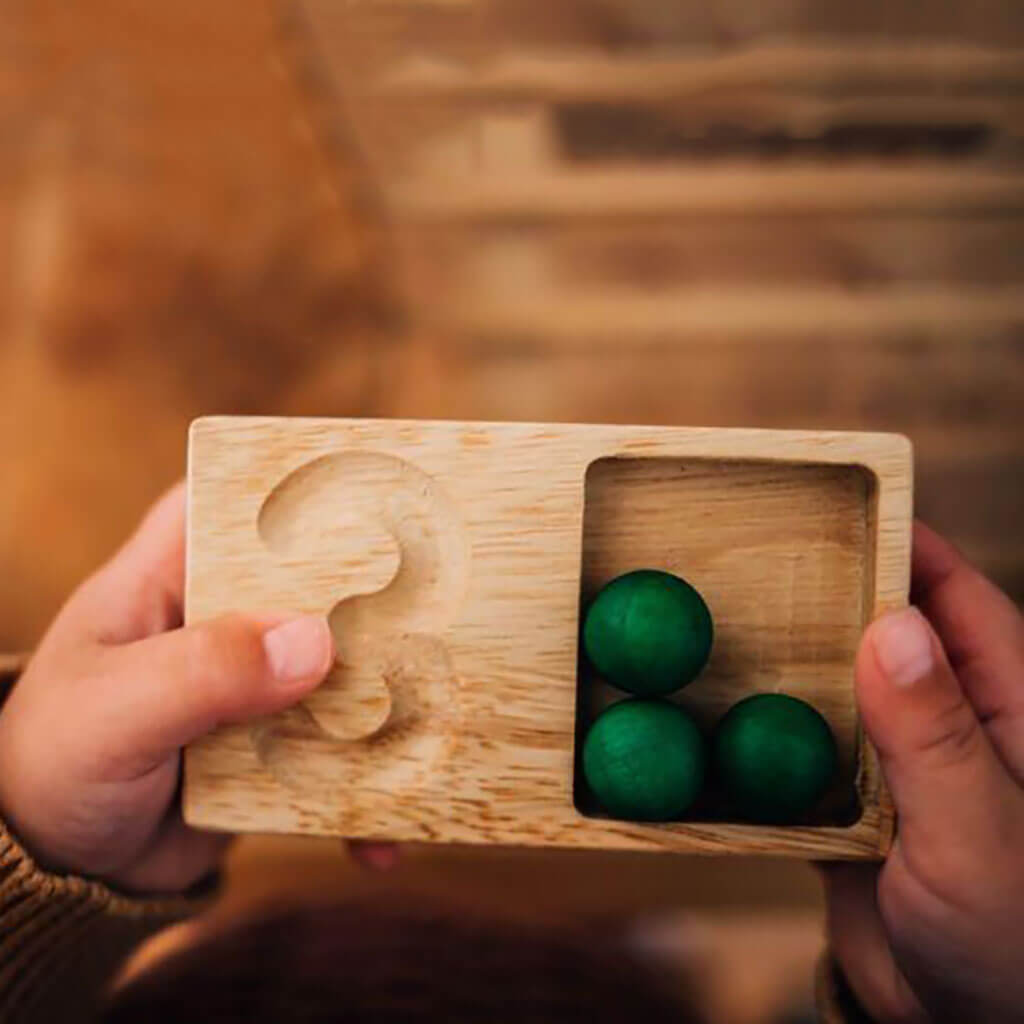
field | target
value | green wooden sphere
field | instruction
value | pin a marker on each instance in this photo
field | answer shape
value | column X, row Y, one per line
column 644, row 760
column 774, row 756
column 648, row 633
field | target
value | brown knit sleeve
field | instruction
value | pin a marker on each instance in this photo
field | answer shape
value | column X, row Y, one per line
column 62, row 938
column 836, row 1003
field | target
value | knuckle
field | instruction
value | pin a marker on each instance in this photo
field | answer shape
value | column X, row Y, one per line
column 217, row 658
column 954, row 736
column 205, row 652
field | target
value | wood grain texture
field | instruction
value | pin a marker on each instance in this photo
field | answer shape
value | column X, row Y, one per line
column 451, row 559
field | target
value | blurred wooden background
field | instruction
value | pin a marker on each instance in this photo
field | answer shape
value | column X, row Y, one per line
column 785, row 213
column 793, row 213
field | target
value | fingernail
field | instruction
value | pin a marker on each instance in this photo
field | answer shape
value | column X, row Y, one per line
column 903, row 646
column 298, row 650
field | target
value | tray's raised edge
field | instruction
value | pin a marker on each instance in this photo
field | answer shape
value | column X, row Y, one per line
column 891, row 465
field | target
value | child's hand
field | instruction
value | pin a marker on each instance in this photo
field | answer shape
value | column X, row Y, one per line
column 90, row 737
column 941, row 693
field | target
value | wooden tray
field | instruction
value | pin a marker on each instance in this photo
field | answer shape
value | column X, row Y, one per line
column 453, row 560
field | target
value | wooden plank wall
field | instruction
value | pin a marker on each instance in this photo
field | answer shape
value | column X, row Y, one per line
column 794, row 214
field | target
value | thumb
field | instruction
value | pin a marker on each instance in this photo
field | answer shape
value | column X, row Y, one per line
column 948, row 785
column 158, row 694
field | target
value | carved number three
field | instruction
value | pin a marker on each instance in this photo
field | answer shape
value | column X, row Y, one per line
column 386, row 712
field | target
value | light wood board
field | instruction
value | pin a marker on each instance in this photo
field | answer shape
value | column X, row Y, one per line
column 452, row 559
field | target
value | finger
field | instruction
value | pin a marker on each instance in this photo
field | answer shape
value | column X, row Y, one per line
column 860, row 943
column 139, row 592
column 982, row 631
column 373, row 855
column 178, row 858
column 951, row 791
column 151, row 697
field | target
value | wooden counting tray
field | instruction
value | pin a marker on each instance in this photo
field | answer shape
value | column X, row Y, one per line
column 453, row 560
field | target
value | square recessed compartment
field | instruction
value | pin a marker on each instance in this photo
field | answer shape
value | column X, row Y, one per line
column 782, row 552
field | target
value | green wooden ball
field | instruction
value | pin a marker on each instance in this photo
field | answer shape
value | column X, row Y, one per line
column 648, row 633
column 774, row 756
column 644, row 760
